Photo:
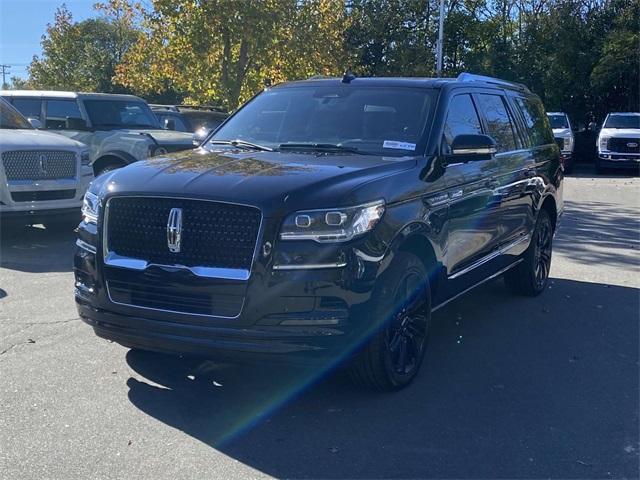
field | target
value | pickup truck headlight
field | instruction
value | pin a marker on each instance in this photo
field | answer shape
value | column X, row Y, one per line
column 91, row 207
column 568, row 144
column 332, row 224
column 85, row 159
column 603, row 143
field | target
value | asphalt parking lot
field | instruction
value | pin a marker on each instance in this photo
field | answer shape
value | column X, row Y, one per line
column 511, row 387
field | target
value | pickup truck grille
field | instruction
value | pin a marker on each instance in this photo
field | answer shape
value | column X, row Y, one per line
column 624, row 145
column 214, row 235
column 39, row 165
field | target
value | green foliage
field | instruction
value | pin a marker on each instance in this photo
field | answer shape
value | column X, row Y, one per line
column 580, row 56
column 83, row 55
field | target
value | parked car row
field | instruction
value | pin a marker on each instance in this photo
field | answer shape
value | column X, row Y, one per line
column 615, row 146
column 41, row 179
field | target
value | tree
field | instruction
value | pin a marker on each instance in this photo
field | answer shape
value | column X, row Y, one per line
column 221, row 51
column 83, row 55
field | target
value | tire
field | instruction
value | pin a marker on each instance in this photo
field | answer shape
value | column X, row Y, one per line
column 402, row 308
column 531, row 276
column 108, row 168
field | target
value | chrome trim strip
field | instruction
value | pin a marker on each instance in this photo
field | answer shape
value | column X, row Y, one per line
column 85, row 246
column 489, row 257
column 114, row 260
column 481, row 282
column 475, row 151
column 310, row 266
column 174, row 311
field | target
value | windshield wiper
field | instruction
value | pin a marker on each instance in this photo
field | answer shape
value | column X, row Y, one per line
column 242, row 144
column 322, row 147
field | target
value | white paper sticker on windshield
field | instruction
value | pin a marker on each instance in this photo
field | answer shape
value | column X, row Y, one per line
column 399, row 145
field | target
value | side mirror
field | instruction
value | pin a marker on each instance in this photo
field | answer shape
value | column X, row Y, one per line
column 169, row 124
column 471, row 148
column 35, row 123
column 72, row 123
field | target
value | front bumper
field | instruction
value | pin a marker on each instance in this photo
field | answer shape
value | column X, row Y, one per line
column 619, row 161
column 42, row 198
column 295, row 316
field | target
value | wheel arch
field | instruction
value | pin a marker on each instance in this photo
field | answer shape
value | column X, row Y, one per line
column 420, row 245
column 549, row 205
column 121, row 159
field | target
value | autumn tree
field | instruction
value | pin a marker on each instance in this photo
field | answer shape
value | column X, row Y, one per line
column 221, row 51
column 84, row 55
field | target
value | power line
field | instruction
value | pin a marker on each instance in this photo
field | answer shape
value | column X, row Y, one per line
column 5, row 72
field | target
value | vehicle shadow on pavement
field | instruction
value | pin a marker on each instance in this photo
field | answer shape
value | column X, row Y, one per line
column 511, row 387
column 596, row 233
column 36, row 249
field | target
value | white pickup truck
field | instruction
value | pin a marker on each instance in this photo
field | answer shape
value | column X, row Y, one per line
column 43, row 176
column 563, row 134
column 619, row 142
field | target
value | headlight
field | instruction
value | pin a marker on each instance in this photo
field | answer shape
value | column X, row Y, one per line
column 332, row 224
column 90, row 207
column 568, row 144
column 603, row 143
column 85, row 159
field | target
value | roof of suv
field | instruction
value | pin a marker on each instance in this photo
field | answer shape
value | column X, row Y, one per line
column 465, row 78
column 58, row 94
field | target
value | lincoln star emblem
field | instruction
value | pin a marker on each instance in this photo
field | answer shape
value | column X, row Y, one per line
column 42, row 160
column 174, row 230
column 632, row 145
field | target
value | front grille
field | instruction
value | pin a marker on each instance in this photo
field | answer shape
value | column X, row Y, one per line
column 214, row 235
column 624, row 145
column 42, row 195
column 39, row 165
column 152, row 295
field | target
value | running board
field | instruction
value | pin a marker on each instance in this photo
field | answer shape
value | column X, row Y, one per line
column 481, row 282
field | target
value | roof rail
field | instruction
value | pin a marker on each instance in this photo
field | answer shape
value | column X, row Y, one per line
column 471, row 77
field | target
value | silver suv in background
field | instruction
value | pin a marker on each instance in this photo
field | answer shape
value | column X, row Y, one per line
column 43, row 176
column 563, row 134
column 619, row 142
column 118, row 129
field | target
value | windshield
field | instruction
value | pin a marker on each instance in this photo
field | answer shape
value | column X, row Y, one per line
column 558, row 121
column 383, row 121
column 10, row 118
column 623, row 121
column 120, row 114
column 206, row 120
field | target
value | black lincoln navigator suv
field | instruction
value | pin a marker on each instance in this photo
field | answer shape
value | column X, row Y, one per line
column 324, row 222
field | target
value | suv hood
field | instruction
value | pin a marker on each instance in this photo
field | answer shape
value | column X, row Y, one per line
column 36, row 140
column 269, row 180
column 562, row 132
column 620, row 132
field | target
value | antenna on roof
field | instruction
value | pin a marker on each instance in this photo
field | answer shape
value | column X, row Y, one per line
column 348, row 76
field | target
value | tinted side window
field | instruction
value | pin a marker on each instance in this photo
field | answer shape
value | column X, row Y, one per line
column 499, row 124
column 29, row 107
column 62, row 114
column 536, row 121
column 180, row 125
column 462, row 118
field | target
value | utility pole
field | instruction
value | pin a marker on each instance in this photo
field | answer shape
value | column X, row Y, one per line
column 5, row 72
column 440, row 43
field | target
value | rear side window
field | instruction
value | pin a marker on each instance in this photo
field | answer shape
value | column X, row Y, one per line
column 29, row 107
column 62, row 114
column 499, row 124
column 535, row 120
column 180, row 126
column 462, row 119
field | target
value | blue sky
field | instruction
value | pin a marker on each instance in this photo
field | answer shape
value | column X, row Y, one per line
column 22, row 23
